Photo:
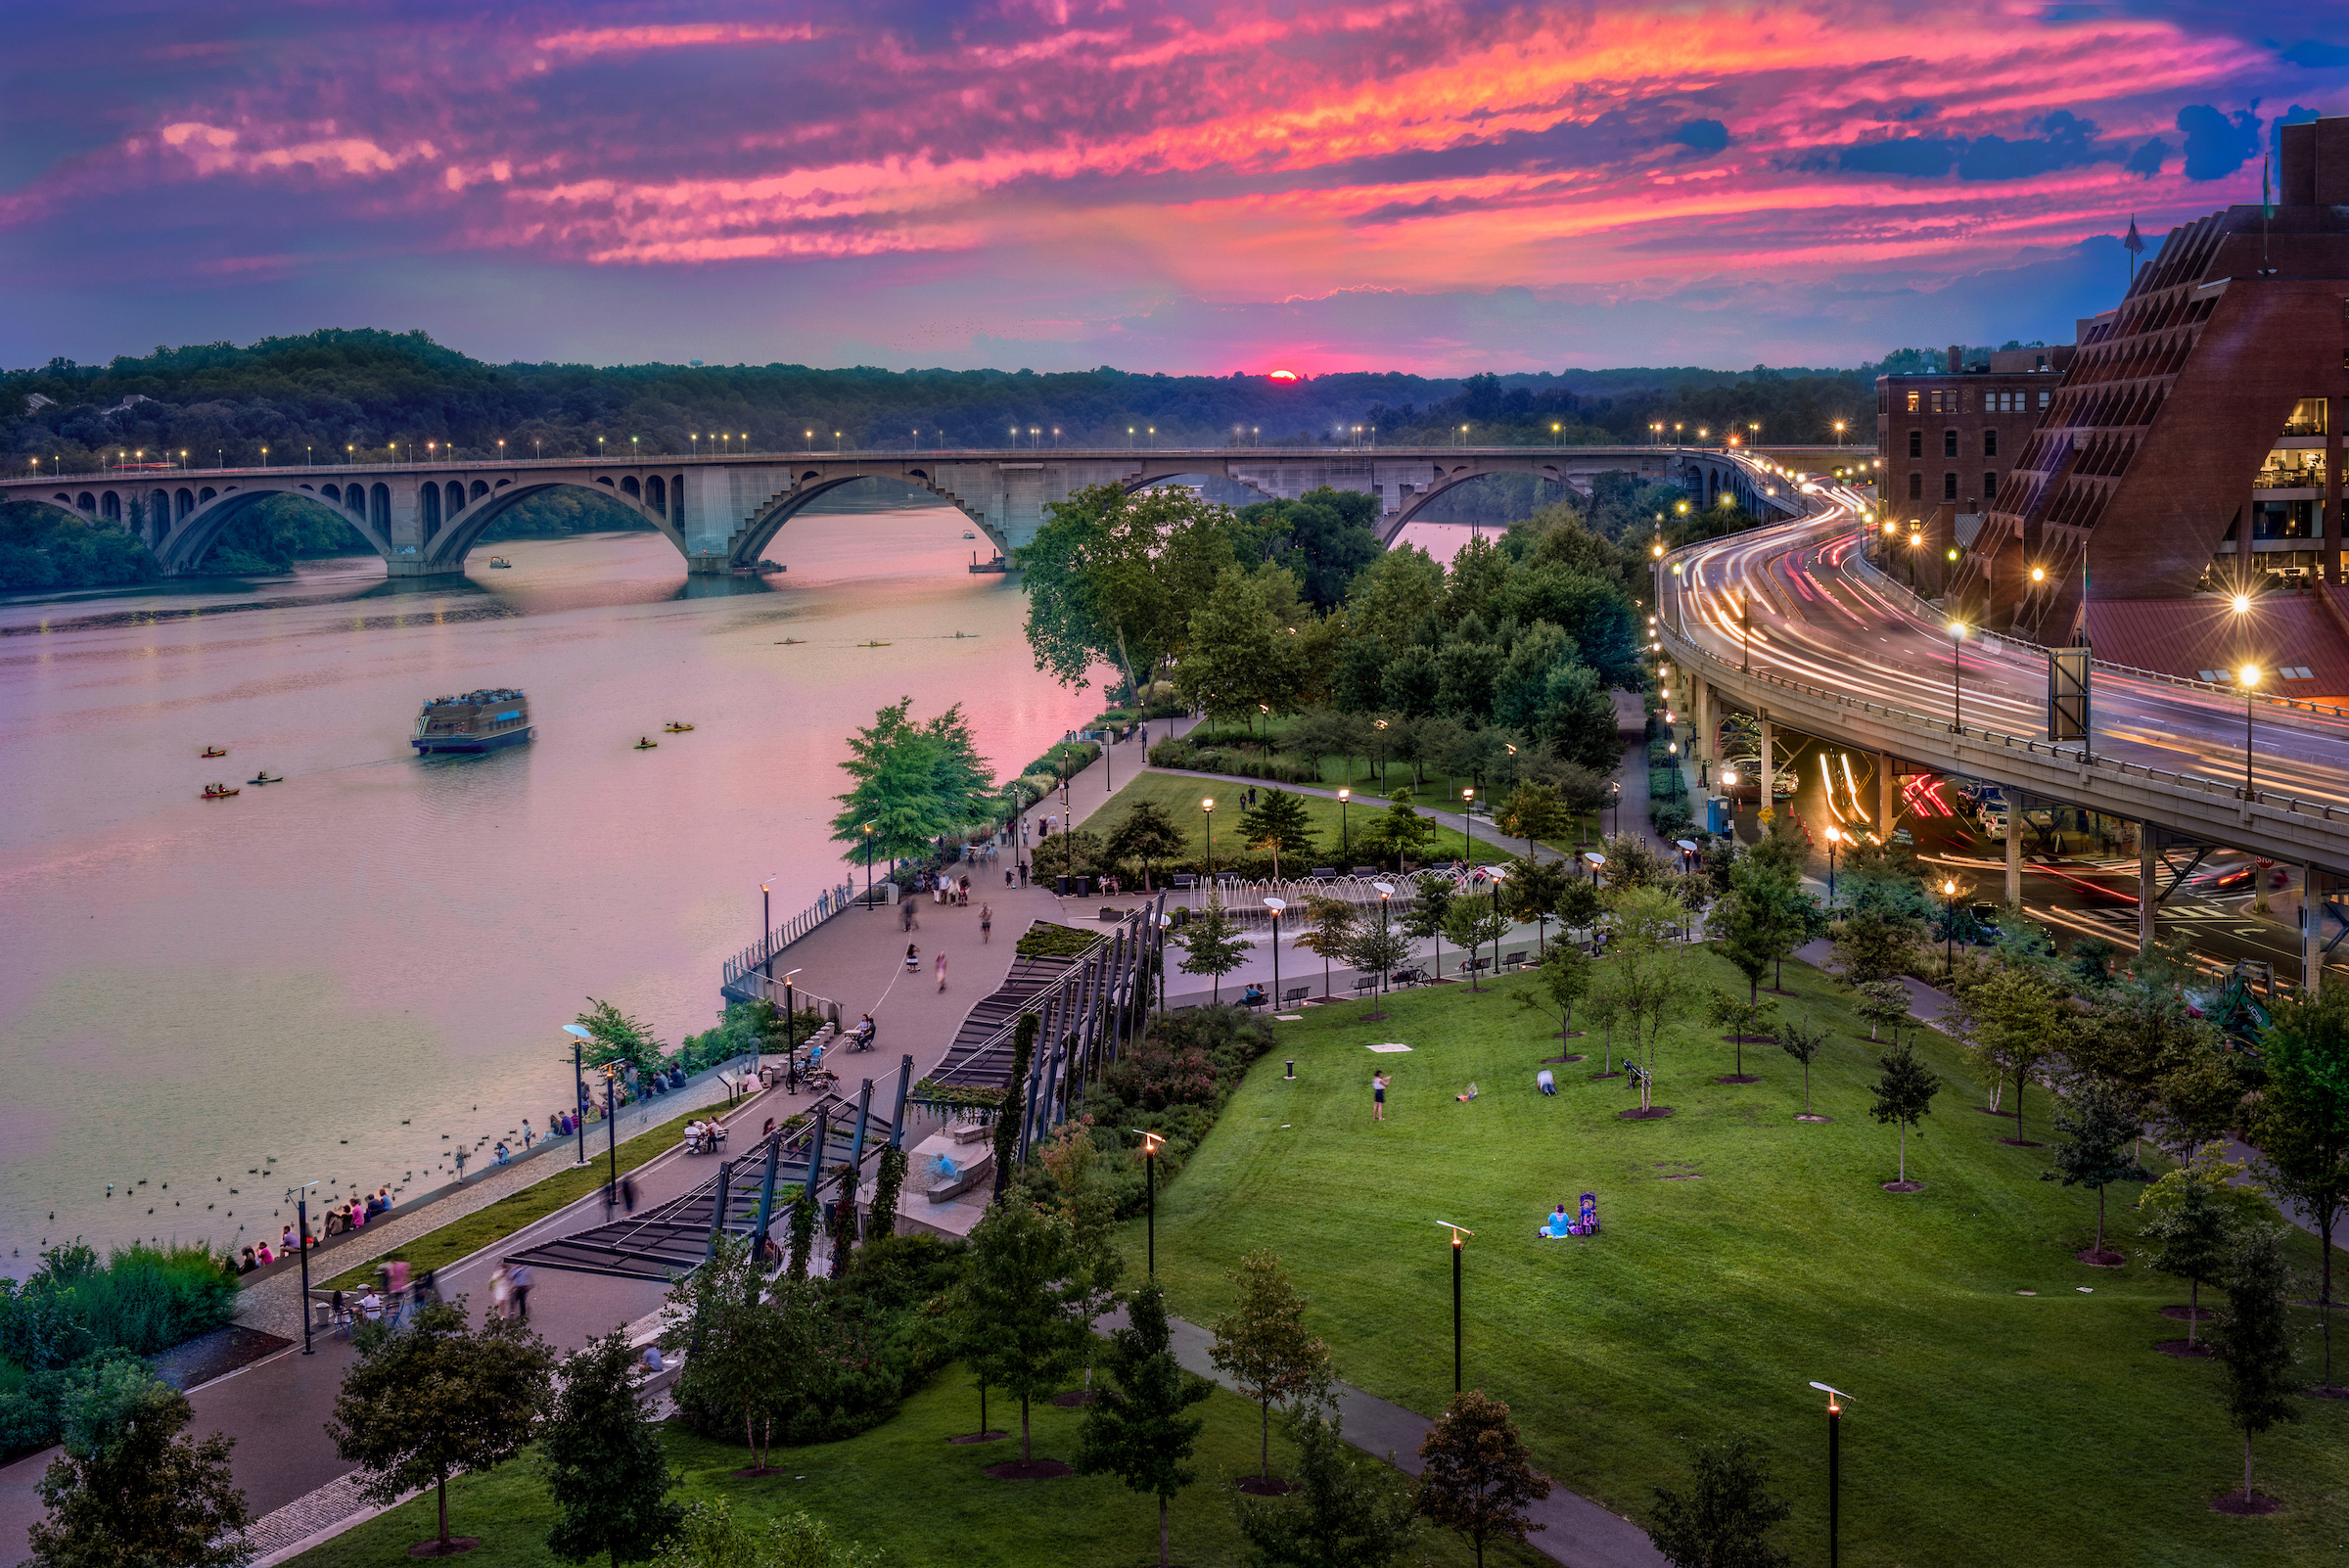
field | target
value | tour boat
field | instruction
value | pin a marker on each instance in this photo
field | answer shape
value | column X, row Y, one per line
column 215, row 751
column 478, row 721
column 501, row 563
column 218, row 792
column 264, row 776
column 675, row 729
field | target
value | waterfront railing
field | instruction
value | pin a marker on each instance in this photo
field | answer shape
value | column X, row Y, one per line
column 760, row 956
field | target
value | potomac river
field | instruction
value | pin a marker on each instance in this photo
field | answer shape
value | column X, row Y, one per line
column 345, row 975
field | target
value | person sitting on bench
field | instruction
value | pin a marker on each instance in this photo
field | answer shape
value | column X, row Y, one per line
column 1470, row 1094
column 1560, row 1223
column 1545, row 1083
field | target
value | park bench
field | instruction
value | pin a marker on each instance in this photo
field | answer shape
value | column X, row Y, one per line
column 1325, row 873
column 1365, row 983
column 1294, row 995
column 1514, row 960
column 1184, row 879
column 1365, row 872
column 1477, row 964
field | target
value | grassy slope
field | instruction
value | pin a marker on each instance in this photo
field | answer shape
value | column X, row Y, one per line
column 1179, row 797
column 462, row 1236
column 1985, row 1426
column 957, row 1518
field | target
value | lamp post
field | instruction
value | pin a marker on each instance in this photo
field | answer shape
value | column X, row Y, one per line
column 791, row 1038
column 1150, row 1143
column 611, row 1133
column 868, row 868
column 1834, row 837
column 1728, row 784
column 301, row 1241
column 1207, row 809
column 1345, row 839
column 1498, row 877
column 1457, row 1232
column 1277, row 905
column 1835, row 1399
column 578, row 1083
column 1956, row 699
column 766, row 928
column 1949, row 925
column 1386, row 891
column 1673, row 749
column 1379, row 725
column 2249, row 674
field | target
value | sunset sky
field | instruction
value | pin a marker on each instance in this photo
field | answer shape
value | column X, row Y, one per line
column 1198, row 188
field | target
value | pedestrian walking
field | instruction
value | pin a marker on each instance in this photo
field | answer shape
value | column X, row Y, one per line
column 987, row 921
column 941, row 971
column 498, row 1288
column 1378, row 1096
column 628, row 1198
column 519, row 1279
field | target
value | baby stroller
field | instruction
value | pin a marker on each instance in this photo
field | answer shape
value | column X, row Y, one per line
column 1588, row 1223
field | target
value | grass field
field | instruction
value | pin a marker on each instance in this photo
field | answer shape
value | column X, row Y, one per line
column 568, row 1183
column 1180, row 796
column 1744, row 1255
column 903, row 1489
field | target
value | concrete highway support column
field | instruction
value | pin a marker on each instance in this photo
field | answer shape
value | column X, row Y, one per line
column 2147, row 889
column 1704, row 719
column 2014, row 847
column 1884, row 796
column 2312, row 888
column 1767, row 784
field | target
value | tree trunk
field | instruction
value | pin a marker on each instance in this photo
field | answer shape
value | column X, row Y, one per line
column 1904, row 1151
column 2194, row 1309
column 1162, row 1532
column 2325, row 1288
column 442, row 1486
column 2099, row 1218
column 1265, row 1454
column 1025, row 1454
column 2246, row 1468
column 1806, row 1087
column 2021, row 1076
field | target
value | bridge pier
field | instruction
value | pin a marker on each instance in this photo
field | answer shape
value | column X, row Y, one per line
column 1768, row 795
column 708, row 566
column 2312, row 947
column 1884, row 798
column 2014, row 848
column 405, row 570
column 2148, row 891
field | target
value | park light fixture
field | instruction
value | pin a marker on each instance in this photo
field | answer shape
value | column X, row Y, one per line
column 1151, row 1143
column 2249, row 675
column 1457, row 1234
column 1835, row 1403
column 1957, row 710
column 2039, row 574
column 1206, row 807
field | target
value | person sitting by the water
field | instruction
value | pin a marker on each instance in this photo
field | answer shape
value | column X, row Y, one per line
column 1545, row 1083
column 246, row 1264
column 1466, row 1095
column 285, row 1243
column 1560, row 1223
column 503, row 1156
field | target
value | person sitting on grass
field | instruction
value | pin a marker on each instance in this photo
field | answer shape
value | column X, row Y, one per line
column 1545, row 1083
column 1466, row 1095
column 1560, row 1223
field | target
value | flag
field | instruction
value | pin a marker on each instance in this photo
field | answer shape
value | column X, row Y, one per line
column 2135, row 245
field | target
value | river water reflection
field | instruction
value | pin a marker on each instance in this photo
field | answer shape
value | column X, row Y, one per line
column 346, row 976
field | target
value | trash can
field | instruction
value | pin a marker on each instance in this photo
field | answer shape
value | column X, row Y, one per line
column 1084, row 887
column 1061, row 886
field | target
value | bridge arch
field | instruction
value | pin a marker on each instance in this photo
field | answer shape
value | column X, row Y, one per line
column 196, row 530
column 459, row 531
column 748, row 543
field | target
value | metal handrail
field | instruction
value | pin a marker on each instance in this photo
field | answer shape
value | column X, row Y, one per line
column 758, row 954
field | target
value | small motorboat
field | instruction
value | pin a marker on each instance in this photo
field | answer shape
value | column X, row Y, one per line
column 672, row 727
column 264, row 776
column 645, row 743
column 218, row 792
column 501, row 563
column 968, row 534
column 215, row 751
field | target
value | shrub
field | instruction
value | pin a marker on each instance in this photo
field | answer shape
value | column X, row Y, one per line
column 146, row 1298
column 1044, row 939
column 1174, row 1080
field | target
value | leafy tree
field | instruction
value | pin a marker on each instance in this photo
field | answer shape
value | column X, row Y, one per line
column 2018, row 1021
column 743, row 1355
column 1534, row 812
column 1212, row 945
column 1147, row 837
column 1562, row 979
column 1021, row 1299
column 1873, row 942
column 1905, row 1094
column 1646, row 982
column 888, row 1182
column 1239, row 651
column 1532, row 893
column 2197, row 1096
column 1471, row 921
column 1325, row 537
column 129, row 1490
column 1345, row 1510
column 1742, row 934
column 1479, row 1476
column 1631, row 862
column 1580, row 907
column 1883, row 1003
column 1107, row 563
column 1428, row 912
column 616, row 1036
column 1802, row 1042
column 1400, row 829
column 1379, row 947
column 1741, row 1019
column 607, row 1471
column 2191, row 1228
column 2254, row 1339
column 2099, row 1126
column 1262, row 1345
column 1725, row 1521
column 1009, row 1114
column 2302, row 1125
column 711, row 1536
column 435, row 1398
column 1277, row 823
column 1330, row 932
column 911, row 783
column 1135, row 1429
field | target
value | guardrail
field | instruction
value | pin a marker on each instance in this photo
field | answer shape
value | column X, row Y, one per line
column 758, row 954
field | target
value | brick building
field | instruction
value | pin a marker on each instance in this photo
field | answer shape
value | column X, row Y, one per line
column 1945, row 441
column 2192, row 441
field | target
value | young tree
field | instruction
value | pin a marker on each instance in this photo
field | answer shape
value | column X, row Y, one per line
column 1742, row 1019
column 1147, row 837
column 2302, row 1125
column 745, row 1356
column 1135, row 1429
column 1277, row 824
column 2193, row 1233
column 1345, row 1510
column 1874, row 941
column 1903, row 1095
column 1532, row 893
column 1882, row 1002
column 1471, row 921
column 2197, row 1095
column 616, row 1036
column 711, row 1536
column 1562, row 979
column 2099, row 1126
column 2254, row 1340
column 1380, row 947
column 436, row 1397
column 1580, row 907
column 1534, row 812
column 1007, row 1117
column 606, row 1471
column 129, row 1490
column 1802, row 1042
column 1402, row 829
column 1741, row 930
column 1424, row 916
column 1479, row 1476
column 1212, row 945
column 1727, row 1520
column 1262, row 1345
column 2019, row 1022
column 1021, row 1300
column 1647, row 980
column 1330, row 932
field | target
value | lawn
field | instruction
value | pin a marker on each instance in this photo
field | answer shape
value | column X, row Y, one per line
column 1743, row 1255
column 1180, row 796
column 468, row 1233
column 866, row 1488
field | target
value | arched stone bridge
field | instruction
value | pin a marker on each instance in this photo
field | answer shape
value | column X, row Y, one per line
column 722, row 512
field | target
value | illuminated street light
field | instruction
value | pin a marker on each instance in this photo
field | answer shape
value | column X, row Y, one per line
column 1956, row 716
column 2249, row 675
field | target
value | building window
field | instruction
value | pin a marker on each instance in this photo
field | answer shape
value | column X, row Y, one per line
column 2307, row 419
column 1948, row 487
column 1989, row 488
column 2284, row 520
column 1949, row 443
column 1990, row 443
column 2044, row 397
column 1917, row 487
column 1913, row 403
column 1916, row 443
